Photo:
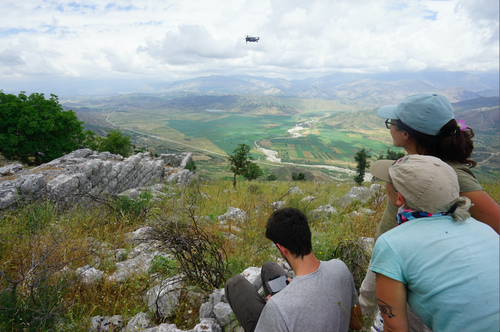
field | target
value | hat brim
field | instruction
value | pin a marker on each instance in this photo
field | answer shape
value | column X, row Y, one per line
column 388, row 112
column 380, row 169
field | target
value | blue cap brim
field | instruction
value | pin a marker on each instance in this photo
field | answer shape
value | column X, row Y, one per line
column 388, row 112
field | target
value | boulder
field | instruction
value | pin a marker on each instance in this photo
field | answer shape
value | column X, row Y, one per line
column 361, row 194
column 324, row 210
column 277, row 205
column 88, row 274
column 206, row 311
column 224, row 314
column 137, row 265
column 162, row 299
column 139, row 322
column 295, row 191
column 308, row 199
column 106, row 323
column 252, row 274
column 218, row 295
column 207, row 325
column 72, row 177
column 233, row 214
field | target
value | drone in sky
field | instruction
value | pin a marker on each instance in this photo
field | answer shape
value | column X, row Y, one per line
column 252, row 39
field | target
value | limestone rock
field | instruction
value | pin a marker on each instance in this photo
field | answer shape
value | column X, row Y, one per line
column 106, row 323
column 223, row 313
column 138, row 265
column 165, row 327
column 206, row 310
column 367, row 243
column 252, row 274
column 218, row 295
column 361, row 194
column 162, row 299
column 295, row 191
column 139, row 322
column 277, row 205
column 72, row 177
column 308, row 199
column 26, row 189
column 88, row 274
column 233, row 214
column 10, row 169
column 323, row 210
column 207, row 325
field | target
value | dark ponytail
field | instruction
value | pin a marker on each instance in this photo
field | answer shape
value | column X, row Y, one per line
column 451, row 144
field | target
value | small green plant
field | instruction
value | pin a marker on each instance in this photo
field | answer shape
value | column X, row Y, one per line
column 126, row 206
column 191, row 166
column 164, row 266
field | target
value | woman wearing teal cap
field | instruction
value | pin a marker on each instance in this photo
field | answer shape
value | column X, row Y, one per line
column 425, row 124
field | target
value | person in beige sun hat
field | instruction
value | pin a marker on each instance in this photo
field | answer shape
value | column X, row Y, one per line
column 440, row 260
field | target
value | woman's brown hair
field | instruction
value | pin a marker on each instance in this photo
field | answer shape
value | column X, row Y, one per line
column 451, row 144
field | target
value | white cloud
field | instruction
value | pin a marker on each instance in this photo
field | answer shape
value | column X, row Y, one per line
column 180, row 39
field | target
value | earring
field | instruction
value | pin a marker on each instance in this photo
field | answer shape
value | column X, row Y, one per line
column 405, row 138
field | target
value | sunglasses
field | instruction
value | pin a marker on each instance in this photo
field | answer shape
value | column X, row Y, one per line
column 388, row 124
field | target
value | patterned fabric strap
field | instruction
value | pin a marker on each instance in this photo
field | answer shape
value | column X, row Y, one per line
column 408, row 214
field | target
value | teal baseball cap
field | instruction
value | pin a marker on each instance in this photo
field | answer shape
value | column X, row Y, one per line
column 426, row 112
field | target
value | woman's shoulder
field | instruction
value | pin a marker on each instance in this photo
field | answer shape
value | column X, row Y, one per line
column 466, row 178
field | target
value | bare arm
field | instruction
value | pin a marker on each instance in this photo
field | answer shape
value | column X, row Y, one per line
column 391, row 297
column 356, row 322
column 485, row 209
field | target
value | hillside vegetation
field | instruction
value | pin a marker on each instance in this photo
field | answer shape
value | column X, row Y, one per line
column 42, row 245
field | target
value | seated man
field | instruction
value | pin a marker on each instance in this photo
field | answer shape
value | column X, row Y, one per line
column 322, row 296
column 439, row 259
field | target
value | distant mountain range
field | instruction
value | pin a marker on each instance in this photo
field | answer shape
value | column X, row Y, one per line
column 371, row 89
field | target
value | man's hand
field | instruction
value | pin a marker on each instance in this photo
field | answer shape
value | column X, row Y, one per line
column 269, row 296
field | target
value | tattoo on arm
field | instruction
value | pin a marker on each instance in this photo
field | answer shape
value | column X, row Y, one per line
column 386, row 309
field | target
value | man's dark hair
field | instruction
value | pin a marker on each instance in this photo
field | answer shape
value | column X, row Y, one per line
column 289, row 228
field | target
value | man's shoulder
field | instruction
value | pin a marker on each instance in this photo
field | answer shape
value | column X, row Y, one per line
column 335, row 264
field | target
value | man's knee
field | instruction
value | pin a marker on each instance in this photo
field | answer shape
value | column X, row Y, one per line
column 234, row 281
column 232, row 284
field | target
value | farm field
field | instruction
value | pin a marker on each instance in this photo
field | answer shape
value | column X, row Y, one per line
column 324, row 134
column 221, row 132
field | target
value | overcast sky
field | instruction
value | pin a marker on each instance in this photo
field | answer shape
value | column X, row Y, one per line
column 154, row 40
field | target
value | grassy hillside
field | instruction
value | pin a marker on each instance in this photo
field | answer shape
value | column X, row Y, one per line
column 40, row 241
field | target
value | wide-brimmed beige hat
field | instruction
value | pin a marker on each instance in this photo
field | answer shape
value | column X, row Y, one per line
column 426, row 182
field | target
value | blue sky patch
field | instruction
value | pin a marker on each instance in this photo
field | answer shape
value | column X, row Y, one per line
column 430, row 15
column 14, row 31
column 120, row 8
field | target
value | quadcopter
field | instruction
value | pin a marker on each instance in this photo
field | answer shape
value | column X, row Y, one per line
column 252, row 39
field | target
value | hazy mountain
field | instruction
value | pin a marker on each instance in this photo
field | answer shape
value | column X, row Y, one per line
column 489, row 93
column 482, row 114
column 370, row 88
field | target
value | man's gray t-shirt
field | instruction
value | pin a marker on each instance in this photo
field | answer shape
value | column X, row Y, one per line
column 319, row 301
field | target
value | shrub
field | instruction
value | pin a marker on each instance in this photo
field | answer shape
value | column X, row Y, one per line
column 355, row 257
column 191, row 166
column 271, row 177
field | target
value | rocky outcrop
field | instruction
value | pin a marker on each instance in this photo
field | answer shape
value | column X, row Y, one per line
column 69, row 178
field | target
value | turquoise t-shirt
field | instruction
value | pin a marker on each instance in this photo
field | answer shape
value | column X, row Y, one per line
column 451, row 270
